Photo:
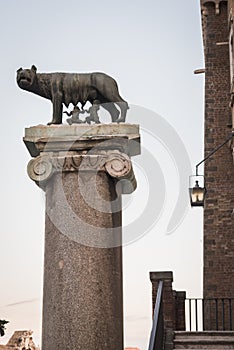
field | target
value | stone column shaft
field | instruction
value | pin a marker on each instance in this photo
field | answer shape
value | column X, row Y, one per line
column 83, row 171
column 82, row 298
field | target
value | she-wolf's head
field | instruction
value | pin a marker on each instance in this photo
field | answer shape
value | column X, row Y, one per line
column 26, row 77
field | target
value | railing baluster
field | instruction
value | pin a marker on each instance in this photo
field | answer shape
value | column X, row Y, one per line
column 196, row 314
column 210, row 314
column 217, row 314
column 190, row 315
column 203, row 314
column 230, row 314
column 223, row 315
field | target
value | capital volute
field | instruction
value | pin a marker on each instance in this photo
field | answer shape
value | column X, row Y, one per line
column 119, row 166
column 40, row 169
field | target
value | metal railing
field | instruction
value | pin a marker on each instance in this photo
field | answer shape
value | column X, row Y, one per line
column 215, row 314
column 157, row 332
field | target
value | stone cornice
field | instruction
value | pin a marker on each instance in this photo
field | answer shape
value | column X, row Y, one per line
column 204, row 14
column 215, row 2
column 57, row 138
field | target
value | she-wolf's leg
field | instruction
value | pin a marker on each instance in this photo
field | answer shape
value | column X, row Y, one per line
column 123, row 105
column 115, row 97
column 114, row 112
column 93, row 111
column 57, row 110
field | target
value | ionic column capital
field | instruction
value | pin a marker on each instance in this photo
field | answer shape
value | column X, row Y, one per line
column 118, row 165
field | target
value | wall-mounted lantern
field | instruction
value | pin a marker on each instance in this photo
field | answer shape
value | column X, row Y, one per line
column 197, row 189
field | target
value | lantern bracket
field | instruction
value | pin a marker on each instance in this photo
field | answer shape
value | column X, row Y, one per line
column 214, row 151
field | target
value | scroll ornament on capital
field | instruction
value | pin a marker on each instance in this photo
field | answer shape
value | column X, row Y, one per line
column 116, row 164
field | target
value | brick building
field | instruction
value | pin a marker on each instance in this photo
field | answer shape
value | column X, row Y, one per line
column 218, row 279
column 217, row 305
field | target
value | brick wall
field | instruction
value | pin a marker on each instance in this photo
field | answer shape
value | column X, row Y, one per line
column 218, row 279
column 173, row 301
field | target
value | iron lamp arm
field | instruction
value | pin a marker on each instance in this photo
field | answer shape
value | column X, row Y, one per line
column 214, row 151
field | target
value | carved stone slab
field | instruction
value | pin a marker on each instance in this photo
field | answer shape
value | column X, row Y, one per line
column 56, row 138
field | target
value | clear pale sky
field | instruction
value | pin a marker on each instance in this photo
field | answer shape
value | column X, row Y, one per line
column 151, row 48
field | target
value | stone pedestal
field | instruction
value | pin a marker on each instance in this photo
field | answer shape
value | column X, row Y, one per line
column 83, row 170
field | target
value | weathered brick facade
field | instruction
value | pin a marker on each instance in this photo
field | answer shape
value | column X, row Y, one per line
column 173, row 301
column 218, row 270
column 218, row 279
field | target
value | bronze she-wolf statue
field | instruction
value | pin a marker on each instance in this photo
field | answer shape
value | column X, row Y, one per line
column 66, row 88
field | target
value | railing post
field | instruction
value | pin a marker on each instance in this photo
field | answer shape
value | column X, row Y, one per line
column 180, row 311
column 173, row 301
column 168, row 296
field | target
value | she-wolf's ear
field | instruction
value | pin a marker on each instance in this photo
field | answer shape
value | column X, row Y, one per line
column 34, row 68
column 19, row 70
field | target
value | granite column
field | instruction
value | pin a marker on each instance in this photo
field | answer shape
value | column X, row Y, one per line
column 83, row 171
